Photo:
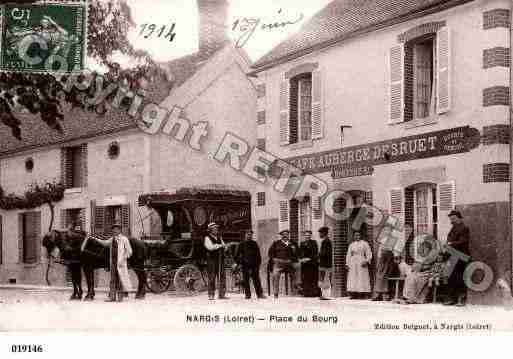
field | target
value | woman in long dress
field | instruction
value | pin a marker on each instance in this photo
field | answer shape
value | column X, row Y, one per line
column 358, row 258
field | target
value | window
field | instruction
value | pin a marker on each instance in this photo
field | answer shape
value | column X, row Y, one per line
column 29, row 164
column 301, row 105
column 72, row 216
column 105, row 216
column 420, row 74
column 74, row 166
column 176, row 222
column 260, row 199
column 30, row 230
column 423, row 75
column 113, row 150
column 301, row 108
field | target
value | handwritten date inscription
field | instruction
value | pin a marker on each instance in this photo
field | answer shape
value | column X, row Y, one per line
column 148, row 30
column 247, row 26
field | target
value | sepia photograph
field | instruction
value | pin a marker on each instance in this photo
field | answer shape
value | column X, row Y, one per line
column 271, row 166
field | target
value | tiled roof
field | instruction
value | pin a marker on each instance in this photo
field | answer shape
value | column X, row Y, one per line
column 78, row 124
column 342, row 19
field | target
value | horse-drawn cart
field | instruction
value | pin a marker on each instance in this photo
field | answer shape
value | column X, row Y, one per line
column 177, row 256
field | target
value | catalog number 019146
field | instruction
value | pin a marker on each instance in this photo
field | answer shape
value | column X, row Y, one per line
column 26, row 348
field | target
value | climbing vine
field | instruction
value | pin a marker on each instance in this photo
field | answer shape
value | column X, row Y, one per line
column 35, row 196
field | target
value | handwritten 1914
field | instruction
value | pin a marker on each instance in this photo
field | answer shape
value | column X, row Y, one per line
column 150, row 30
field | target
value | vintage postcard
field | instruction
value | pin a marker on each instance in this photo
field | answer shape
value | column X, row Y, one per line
column 228, row 165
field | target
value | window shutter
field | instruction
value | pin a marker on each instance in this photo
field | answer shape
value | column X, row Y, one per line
column 284, row 215
column 396, row 202
column 29, row 255
column 64, row 219
column 317, row 208
column 397, row 211
column 31, row 237
column 37, row 235
column 316, row 215
column 125, row 219
column 443, row 59
column 317, row 108
column 20, row 237
column 284, row 113
column 396, row 62
column 446, row 202
column 82, row 218
column 99, row 219
column 83, row 163
column 66, row 168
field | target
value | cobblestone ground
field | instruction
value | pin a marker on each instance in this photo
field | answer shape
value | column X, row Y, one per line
column 49, row 310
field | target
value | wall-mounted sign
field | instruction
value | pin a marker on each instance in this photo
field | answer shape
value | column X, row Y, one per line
column 360, row 159
column 347, row 171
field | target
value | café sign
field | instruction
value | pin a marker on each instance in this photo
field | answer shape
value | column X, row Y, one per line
column 359, row 160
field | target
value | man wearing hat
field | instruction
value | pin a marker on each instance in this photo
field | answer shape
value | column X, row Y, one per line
column 458, row 238
column 215, row 261
column 283, row 254
column 249, row 259
column 120, row 251
column 325, row 262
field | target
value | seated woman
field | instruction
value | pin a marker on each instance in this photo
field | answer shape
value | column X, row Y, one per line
column 421, row 278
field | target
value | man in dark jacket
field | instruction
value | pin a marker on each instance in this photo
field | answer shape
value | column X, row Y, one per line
column 283, row 255
column 458, row 238
column 249, row 259
column 309, row 252
column 325, row 262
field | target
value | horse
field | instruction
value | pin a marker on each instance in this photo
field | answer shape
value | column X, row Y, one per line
column 71, row 245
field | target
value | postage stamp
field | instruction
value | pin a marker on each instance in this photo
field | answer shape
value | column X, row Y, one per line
column 43, row 37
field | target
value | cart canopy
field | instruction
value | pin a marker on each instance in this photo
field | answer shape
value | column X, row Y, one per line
column 158, row 199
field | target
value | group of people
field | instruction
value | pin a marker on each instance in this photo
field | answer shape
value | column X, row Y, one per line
column 285, row 256
column 315, row 266
column 419, row 278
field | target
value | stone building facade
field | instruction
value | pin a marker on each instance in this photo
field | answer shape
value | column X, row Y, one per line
column 405, row 107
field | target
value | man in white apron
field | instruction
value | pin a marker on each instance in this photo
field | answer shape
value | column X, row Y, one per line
column 120, row 251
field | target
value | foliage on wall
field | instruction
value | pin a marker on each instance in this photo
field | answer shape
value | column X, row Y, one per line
column 35, row 196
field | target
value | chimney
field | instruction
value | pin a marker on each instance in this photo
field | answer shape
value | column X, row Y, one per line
column 213, row 16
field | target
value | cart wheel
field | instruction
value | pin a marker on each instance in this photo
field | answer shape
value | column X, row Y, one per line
column 188, row 278
column 158, row 280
